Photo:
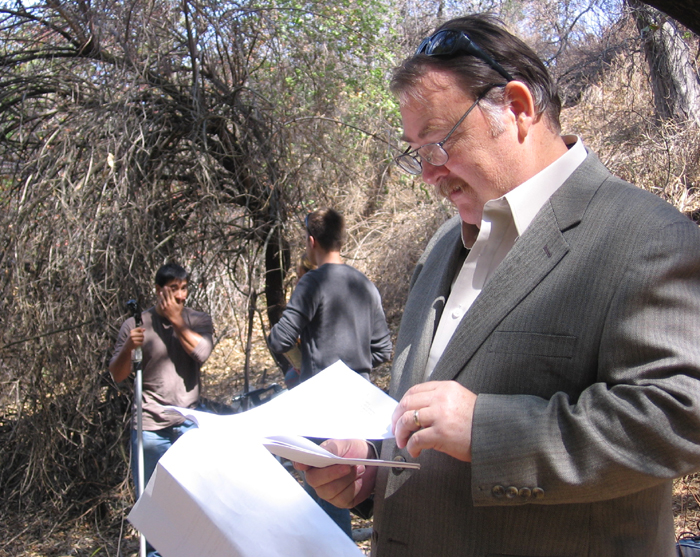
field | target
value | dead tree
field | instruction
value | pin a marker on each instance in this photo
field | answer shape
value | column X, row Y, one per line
column 673, row 72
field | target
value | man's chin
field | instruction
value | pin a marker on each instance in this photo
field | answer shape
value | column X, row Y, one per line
column 469, row 216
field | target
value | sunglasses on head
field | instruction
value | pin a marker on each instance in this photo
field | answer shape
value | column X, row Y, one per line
column 452, row 41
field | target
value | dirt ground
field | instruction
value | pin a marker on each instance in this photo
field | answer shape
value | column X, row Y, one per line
column 686, row 505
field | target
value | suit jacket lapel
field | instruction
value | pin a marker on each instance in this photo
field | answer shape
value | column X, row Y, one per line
column 424, row 309
column 530, row 260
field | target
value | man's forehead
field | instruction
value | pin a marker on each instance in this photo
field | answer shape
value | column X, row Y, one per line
column 176, row 283
column 430, row 106
column 430, row 123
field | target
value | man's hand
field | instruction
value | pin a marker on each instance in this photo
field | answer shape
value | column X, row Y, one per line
column 436, row 415
column 340, row 484
column 136, row 337
column 120, row 367
column 169, row 307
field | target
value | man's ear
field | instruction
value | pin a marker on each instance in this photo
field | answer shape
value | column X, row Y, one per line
column 522, row 107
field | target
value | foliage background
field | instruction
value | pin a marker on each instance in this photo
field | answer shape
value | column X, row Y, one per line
column 203, row 131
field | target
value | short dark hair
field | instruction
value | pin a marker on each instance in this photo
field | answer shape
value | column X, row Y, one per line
column 327, row 227
column 475, row 75
column 170, row 271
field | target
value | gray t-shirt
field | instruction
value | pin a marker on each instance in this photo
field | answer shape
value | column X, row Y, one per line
column 170, row 375
column 337, row 312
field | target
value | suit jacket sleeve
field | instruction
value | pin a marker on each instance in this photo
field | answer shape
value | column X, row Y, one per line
column 637, row 423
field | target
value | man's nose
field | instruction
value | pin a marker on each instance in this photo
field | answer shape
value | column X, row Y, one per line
column 431, row 173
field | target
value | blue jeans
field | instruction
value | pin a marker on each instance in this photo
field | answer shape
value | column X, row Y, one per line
column 155, row 444
column 340, row 516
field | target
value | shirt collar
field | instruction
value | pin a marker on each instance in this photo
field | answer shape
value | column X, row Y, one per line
column 529, row 197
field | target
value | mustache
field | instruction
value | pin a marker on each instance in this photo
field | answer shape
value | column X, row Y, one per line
column 446, row 187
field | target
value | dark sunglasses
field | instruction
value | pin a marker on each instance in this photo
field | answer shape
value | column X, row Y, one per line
column 452, row 41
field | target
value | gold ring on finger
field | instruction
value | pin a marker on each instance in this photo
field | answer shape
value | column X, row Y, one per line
column 416, row 419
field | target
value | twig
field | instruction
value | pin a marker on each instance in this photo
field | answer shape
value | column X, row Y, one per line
column 42, row 335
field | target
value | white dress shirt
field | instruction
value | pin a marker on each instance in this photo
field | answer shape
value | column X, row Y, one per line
column 504, row 220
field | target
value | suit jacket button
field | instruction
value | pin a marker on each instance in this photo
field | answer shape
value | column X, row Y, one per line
column 398, row 458
column 525, row 493
column 511, row 492
column 498, row 491
column 538, row 493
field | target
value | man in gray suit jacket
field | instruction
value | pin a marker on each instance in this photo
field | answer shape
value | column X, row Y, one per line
column 548, row 360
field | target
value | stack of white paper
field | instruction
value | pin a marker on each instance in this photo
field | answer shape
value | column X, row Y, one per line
column 218, row 492
column 213, row 497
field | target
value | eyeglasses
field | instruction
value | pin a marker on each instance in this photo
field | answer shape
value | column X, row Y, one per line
column 453, row 41
column 433, row 153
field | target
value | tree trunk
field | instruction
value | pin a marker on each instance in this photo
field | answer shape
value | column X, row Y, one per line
column 674, row 78
column 276, row 265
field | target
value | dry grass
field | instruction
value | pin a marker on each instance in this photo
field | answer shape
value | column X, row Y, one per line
column 615, row 118
column 686, row 504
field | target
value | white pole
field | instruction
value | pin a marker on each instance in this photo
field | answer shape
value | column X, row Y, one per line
column 137, row 357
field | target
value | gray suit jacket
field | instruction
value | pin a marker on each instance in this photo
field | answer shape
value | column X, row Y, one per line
column 583, row 348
